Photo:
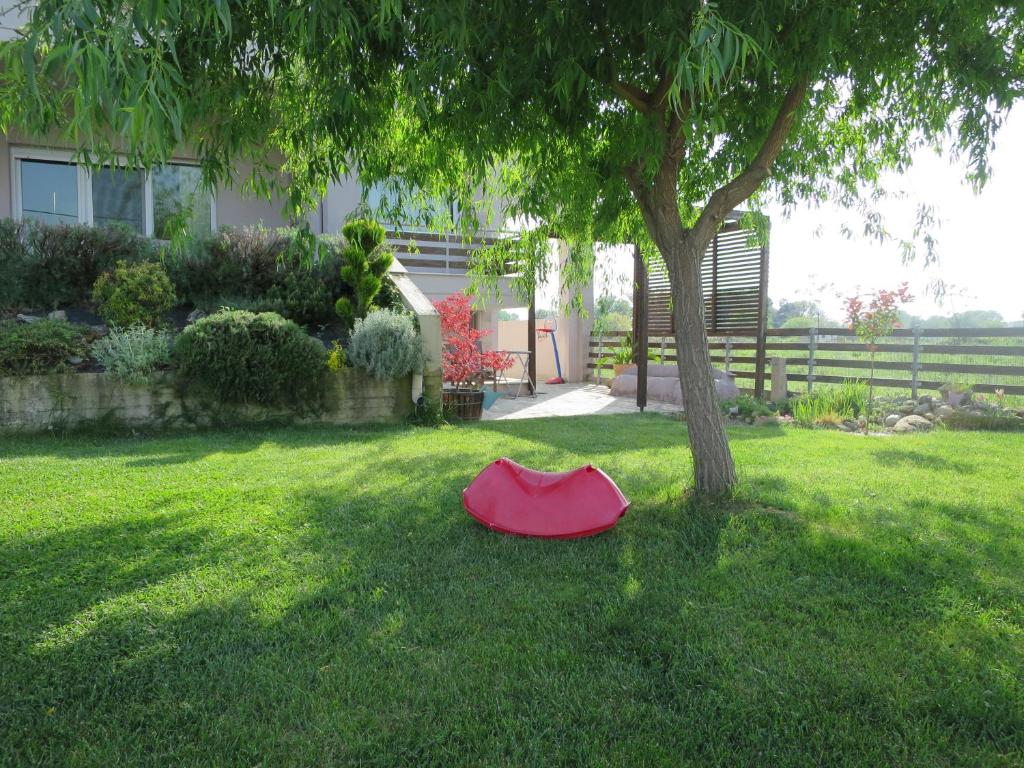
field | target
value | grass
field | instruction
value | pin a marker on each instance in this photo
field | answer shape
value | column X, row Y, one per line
column 316, row 596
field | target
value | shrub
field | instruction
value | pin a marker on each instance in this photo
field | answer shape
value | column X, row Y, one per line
column 133, row 294
column 64, row 261
column 133, row 354
column 748, row 407
column 386, row 344
column 336, row 358
column 39, row 347
column 13, row 263
column 259, row 269
column 243, row 357
column 366, row 264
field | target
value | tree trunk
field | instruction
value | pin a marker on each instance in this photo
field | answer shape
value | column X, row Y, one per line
column 713, row 469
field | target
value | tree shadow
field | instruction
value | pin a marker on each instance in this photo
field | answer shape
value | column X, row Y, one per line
column 920, row 460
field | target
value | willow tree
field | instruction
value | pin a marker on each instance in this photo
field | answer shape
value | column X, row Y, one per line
column 644, row 121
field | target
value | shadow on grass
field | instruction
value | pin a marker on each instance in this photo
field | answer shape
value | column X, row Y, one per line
column 385, row 626
column 907, row 457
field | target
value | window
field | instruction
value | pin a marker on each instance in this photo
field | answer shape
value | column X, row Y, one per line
column 118, row 197
column 383, row 201
column 49, row 191
column 176, row 190
column 48, row 186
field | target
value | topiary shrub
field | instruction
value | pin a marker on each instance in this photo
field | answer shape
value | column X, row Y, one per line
column 387, row 344
column 366, row 263
column 64, row 261
column 242, row 357
column 40, row 347
column 133, row 294
column 133, row 355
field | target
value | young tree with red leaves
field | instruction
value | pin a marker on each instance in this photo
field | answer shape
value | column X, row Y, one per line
column 878, row 319
column 463, row 363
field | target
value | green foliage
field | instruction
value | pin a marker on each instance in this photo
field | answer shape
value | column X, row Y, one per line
column 336, row 358
column 13, row 264
column 39, row 347
column 748, row 407
column 831, row 405
column 242, row 357
column 260, row 270
column 387, row 344
column 366, row 261
column 133, row 294
column 133, row 354
column 50, row 265
column 983, row 422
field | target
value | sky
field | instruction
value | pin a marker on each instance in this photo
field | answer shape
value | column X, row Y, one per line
column 981, row 252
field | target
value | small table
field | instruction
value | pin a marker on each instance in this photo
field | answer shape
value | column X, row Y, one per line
column 521, row 356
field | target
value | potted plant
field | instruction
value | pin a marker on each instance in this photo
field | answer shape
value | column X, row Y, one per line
column 464, row 366
column 955, row 393
column 622, row 357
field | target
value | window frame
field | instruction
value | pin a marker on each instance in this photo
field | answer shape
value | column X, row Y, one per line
column 84, row 178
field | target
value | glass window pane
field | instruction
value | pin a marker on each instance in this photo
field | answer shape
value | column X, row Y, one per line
column 178, row 199
column 118, row 197
column 49, row 191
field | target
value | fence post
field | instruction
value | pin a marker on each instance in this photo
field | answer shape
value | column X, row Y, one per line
column 728, row 353
column 662, row 358
column 812, row 347
column 599, row 376
column 915, row 362
column 780, row 384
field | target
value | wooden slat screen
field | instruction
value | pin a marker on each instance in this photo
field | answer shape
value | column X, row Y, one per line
column 731, row 277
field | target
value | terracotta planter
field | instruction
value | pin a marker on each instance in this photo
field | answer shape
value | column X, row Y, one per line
column 466, row 404
column 620, row 368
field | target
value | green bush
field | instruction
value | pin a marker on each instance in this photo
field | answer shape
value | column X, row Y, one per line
column 39, row 347
column 828, row 406
column 13, row 263
column 260, row 270
column 133, row 354
column 64, row 261
column 387, row 344
column 133, row 294
column 243, row 357
column 748, row 407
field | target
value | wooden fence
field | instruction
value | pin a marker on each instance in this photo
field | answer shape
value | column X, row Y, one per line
column 988, row 359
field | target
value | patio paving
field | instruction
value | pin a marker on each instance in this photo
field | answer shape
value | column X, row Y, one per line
column 568, row 400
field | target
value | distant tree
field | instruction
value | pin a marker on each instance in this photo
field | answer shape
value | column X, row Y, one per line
column 614, row 122
column 506, row 315
column 779, row 317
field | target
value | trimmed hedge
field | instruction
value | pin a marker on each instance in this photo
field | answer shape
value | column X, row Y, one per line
column 243, row 357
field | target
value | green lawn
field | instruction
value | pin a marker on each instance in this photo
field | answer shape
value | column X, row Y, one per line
column 315, row 597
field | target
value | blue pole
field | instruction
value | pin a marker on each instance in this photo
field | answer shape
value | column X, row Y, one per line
column 558, row 363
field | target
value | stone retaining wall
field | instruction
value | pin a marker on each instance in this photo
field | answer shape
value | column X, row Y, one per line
column 61, row 401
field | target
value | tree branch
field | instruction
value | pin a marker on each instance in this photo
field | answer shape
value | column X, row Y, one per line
column 637, row 97
column 728, row 196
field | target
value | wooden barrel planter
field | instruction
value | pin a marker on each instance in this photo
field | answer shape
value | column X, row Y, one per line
column 465, row 404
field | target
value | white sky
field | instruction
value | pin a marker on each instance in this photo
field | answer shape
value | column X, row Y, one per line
column 981, row 251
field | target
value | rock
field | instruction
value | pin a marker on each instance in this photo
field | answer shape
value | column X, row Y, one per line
column 931, row 417
column 925, row 399
column 763, row 421
column 734, row 411
column 923, row 409
column 911, row 403
column 851, row 426
column 27, row 318
column 944, row 411
column 100, row 330
column 195, row 314
column 57, row 314
column 906, row 410
column 912, row 423
column 75, row 360
column 891, row 419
